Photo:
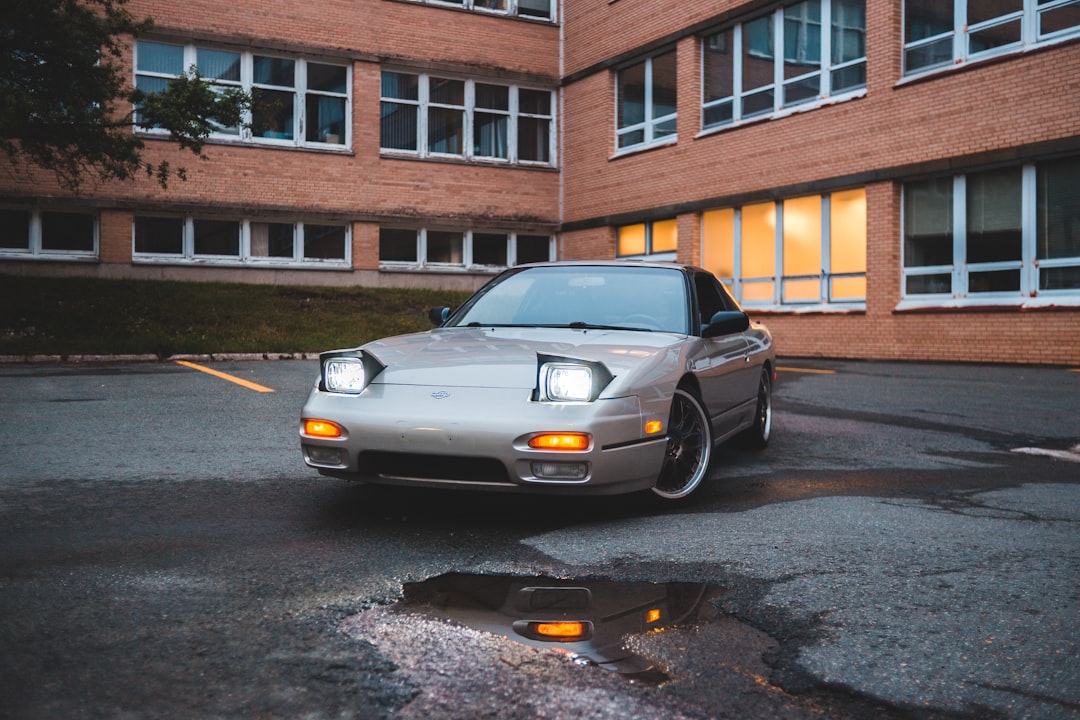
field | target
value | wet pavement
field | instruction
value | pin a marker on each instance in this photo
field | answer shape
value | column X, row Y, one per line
column 907, row 547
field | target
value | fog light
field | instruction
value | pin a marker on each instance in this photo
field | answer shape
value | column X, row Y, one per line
column 325, row 456
column 560, row 470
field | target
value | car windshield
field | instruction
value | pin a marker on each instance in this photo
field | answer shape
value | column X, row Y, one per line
column 630, row 297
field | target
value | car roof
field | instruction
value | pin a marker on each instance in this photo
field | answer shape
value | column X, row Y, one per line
column 614, row 263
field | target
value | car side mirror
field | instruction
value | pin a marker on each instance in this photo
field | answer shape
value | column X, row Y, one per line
column 726, row 322
column 438, row 315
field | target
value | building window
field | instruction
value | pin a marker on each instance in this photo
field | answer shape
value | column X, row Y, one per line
column 533, row 9
column 296, row 102
column 941, row 35
column 53, row 234
column 799, row 252
column 795, row 56
column 646, row 101
column 456, row 249
column 1005, row 234
column 432, row 116
column 174, row 239
column 660, row 237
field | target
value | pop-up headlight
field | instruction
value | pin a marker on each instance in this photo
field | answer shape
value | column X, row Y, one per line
column 347, row 371
column 568, row 380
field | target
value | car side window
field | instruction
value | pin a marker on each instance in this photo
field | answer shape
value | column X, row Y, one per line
column 711, row 297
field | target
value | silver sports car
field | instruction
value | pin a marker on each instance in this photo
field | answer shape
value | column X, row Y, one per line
column 594, row 377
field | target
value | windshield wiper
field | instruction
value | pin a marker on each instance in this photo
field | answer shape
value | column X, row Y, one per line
column 582, row 325
column 575, row 325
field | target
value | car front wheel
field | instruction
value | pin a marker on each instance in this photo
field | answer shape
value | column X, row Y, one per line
column 689, row 448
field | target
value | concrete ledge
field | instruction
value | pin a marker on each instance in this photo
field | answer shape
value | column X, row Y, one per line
column 204, row 357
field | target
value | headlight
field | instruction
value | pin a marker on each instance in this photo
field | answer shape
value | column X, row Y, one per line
column 569, row 383
column 561, row 379
column 347, row 371
column 345, row 375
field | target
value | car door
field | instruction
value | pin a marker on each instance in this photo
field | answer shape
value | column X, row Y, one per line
column 722, row 365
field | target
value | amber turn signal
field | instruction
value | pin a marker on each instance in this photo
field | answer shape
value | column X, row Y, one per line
column 566, row 631
column 322, row 428
column 654, row 426
column 561, row 441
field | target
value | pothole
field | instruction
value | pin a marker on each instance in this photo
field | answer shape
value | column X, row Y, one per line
column 590, row 621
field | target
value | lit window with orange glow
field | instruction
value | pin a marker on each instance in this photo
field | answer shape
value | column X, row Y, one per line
column 758, row 252
column 718, row 242
column 802, row 249
column 847, row 245
column 650, row 238
column 808, row 250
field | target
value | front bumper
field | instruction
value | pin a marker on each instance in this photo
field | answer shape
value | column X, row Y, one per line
column 477, row 438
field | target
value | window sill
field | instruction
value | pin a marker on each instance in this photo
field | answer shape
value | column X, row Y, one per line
column 482, row 12
column 984, row 60
column 440, row 269
column 854, row 308
column 253, row 144
column 52, row 256
column 636, row 149
column 239, row 263
column 1063, row 302
column 787, row 112
column 385, row 154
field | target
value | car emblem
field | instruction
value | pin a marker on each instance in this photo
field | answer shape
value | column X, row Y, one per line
column 440, row 395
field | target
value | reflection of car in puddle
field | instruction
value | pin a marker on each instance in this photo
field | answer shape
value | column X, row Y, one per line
column 588, row 620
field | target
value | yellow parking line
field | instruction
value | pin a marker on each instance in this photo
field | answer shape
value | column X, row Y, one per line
column 815, row 371
column 225, row 376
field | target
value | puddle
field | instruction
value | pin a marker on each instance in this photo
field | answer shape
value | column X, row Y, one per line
column 590, row 621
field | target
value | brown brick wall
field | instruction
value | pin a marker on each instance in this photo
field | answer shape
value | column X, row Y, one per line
column 957, row 115
column 1006, row 110
column 370, row 28
column 1010, row 109
column 114, row 236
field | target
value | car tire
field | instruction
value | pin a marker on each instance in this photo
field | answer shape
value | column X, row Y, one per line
column 756, row 437
column 689, row 447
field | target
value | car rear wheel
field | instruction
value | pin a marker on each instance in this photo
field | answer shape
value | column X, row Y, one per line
column 756, row 437
column 689, row 448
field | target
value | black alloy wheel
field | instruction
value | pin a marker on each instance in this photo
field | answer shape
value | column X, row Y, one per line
column 689, row 448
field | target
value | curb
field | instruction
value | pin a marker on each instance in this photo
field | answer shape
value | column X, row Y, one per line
column 149, row 358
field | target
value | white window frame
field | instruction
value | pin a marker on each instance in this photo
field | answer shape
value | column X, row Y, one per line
column 512, row 8
column 649, row 125
column 825, row 301
column 1030, row 18
column 423, row 104
column 825, row 71
column 467, row 264
column 244, row 257
column 1028, row 266
column 299, row 92
column 35, row 250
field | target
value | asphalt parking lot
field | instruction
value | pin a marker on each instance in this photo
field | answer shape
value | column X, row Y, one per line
column 907, row 546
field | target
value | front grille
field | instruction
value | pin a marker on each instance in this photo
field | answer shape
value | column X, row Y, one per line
column 448, row 468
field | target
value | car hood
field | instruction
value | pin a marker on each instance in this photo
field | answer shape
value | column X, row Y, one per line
column 506, row 357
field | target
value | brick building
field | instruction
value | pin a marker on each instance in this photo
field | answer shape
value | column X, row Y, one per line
column 894, row 180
